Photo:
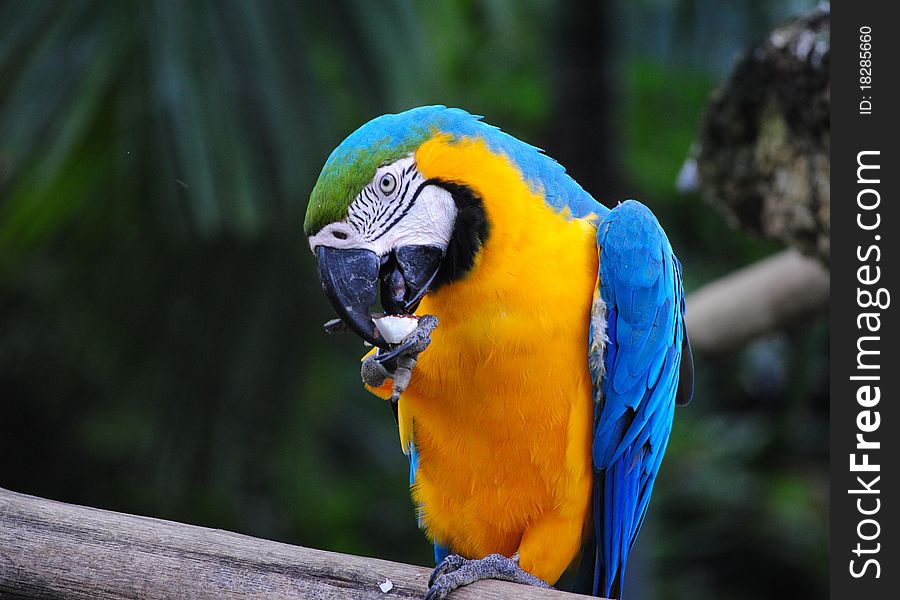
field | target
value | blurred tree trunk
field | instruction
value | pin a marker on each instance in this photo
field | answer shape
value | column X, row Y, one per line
column 763, row 151
column 762, row 158
column 581, row 129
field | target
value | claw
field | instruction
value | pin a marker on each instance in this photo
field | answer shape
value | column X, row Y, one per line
column 414, row 344
column 383, row 357
column 451, row 563
column 455, row 571
column 398, row 363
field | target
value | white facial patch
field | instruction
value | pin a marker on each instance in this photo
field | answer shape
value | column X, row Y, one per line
column 399, row 207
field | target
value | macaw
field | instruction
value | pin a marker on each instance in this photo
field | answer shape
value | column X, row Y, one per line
column 536, row 421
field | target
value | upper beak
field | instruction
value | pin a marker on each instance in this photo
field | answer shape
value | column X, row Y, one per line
column 350, row 278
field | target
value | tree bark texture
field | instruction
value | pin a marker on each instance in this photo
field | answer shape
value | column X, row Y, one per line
column 762, row 155
column 51, row 550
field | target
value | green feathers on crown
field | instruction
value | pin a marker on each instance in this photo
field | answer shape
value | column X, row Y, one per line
column 353, row 163
column 345, row 174
column 388, row 138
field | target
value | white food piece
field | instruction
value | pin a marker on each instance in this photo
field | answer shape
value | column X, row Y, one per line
column 386, row 586
column 395, row 328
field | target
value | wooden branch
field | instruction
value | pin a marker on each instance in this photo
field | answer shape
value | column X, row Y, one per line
column 764, row 297
column 52, row 550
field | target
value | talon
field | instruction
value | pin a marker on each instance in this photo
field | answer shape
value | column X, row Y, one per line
column 494, row 566
column 451, row 563
column 414, row 344
column 398, row 363
column 437, row 593
column 383, row 357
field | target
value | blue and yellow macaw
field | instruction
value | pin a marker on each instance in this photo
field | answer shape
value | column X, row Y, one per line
column 536, row 421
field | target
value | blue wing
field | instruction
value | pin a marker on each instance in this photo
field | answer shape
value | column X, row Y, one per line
column 636, row 379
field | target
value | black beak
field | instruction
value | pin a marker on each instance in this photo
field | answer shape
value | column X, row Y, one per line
column 406, row 275
column 350, row 279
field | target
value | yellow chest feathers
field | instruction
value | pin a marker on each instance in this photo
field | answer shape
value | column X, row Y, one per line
column 500, row 405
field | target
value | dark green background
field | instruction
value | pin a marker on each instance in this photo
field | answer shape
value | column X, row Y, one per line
column 160, row 342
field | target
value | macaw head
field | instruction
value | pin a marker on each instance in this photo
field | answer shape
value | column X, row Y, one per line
column 375, row 221
column 413, row 202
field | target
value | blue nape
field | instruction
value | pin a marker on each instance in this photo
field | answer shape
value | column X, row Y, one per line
column 415, row 126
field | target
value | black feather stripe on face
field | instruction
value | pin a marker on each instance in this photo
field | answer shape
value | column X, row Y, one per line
column 470, row 231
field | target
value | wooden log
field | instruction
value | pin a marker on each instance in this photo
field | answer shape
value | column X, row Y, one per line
column 767, row 296
column 53, row 550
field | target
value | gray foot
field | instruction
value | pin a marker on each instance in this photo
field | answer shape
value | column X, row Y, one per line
column 455, row 571
column 397, row 363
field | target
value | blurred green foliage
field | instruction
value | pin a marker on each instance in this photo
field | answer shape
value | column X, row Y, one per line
column 160, row 348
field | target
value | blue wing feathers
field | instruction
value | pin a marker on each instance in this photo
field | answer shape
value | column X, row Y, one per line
column 640, row 283
column 413, row 463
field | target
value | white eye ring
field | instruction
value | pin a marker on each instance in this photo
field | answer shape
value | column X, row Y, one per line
column 387, row 183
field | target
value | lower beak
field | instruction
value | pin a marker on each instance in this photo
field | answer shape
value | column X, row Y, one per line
column 350, row 278
column 406, row 276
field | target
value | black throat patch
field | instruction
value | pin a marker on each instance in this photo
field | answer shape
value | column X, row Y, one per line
column 469, row 234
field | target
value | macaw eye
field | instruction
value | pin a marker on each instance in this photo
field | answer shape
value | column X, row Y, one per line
column 387, row 184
